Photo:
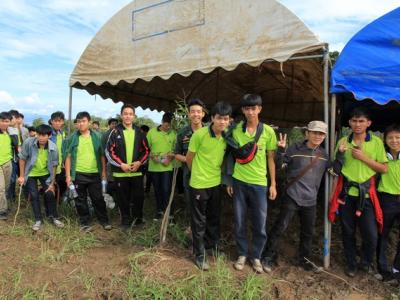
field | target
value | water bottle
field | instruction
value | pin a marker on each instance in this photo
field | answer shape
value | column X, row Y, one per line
column 104, row 186
column 73, row 192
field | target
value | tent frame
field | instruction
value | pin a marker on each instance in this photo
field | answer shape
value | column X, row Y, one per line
column 329, row 140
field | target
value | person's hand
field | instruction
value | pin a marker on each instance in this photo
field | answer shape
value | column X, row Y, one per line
column 166, row 161
column 343, row 146
column 51, row 188
column 126, row 168
column 68, row 180
column 229, row 190
column 272, row 192
column 282, row 140
column 21, row 180
column 135, row 166
column 358, row 153
column 155, row 158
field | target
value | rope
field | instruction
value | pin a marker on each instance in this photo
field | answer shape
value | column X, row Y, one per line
column 165, row 221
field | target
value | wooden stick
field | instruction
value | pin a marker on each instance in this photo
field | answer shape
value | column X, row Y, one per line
column 18, row 207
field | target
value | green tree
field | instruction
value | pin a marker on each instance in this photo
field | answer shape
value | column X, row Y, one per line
column 334, row 56
column 145, row 121
column 36, row 122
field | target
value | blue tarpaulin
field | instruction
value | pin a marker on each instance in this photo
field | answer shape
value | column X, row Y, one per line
column 369, row 65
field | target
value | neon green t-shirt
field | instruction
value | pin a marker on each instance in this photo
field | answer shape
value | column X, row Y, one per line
column 129, row 137
column 357, row 171
column 59, row 148
column 5, row 148
column 86, row 158
column 254, row 172
column 209, row 154
column 390, row 181
column 40, row 166
column 160, row 143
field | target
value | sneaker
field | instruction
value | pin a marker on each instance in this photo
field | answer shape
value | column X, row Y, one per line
column 387, row 277
column 58, row 223
column 257, row 266
column 106, row 226
column 350, row 271
column 267, row 265
column 202, row 263
column 366, row 268
column 3, row 216
column 85, row 228
column 158, row 216
column 239, row 263
column 37, row 226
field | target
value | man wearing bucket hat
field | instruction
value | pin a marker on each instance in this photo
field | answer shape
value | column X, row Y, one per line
column 305, row 163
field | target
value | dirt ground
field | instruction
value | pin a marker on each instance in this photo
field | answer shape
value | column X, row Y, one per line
column 45, row 265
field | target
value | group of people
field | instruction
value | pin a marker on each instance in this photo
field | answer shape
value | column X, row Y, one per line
column 242, row 156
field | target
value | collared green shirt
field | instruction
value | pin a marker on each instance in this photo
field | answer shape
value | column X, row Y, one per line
column 40, row 167
column 160, row 143
column 355, row 170
column 254, row 172
column 390, row 181
column 209, row 154
column 6, row 151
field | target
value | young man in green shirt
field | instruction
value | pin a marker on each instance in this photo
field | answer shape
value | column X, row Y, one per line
column 249, row 187
column 389, row 196
column 161, row 141
column 85, row 168
column 196, row 114
column 204, row 158
column 362, row 155
column 58, row 137
column 38, row 162
column 127, row 151
column 8, row 150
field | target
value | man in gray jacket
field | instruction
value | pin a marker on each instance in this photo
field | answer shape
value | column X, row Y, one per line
column 38, row 163
column 306, row 163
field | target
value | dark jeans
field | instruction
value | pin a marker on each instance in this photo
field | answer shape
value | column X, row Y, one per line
column 146, row 174
column 11, row 188
column 205, row 211
column 390, row 205
column 186, row 189
column 253, row 199
column 60, row 180
column 307, row 215
column 130, row 198
column 49, row 198
column 90, row 183
column 368, row 230
column 162, row 188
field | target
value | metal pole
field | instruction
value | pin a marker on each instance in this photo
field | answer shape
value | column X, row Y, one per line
column 327, row 227
column 70, row 111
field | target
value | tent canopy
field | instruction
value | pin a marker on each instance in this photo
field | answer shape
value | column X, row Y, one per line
column 153, row 52
column 369, row 65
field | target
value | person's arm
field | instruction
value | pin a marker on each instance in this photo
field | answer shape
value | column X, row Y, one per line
column 374, row 165
column 68, row 170
column 272, row 175
column 189, row 159
column 21, row 178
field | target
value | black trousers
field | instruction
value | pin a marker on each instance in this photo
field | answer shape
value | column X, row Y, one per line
column 368, row 230
column 205, row 218
column 307, row 216
column 390, row 205
column 60, row 180
column 90, row 184
column 49, row 198
column 130, row 198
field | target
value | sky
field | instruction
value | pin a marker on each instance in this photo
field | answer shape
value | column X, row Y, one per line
column 42, row 40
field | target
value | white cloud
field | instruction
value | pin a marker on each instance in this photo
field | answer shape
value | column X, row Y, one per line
column 6, row 99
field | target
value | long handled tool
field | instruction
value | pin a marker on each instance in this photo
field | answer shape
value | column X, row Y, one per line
column 165, row 220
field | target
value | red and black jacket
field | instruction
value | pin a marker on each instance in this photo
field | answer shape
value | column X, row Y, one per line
column 115, row 149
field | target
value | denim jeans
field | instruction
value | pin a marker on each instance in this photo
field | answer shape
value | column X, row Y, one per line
column 390, row 205
column 368, row 231
column 307, row 216
column 251, row 199
column 49, row 198
column 162, row 182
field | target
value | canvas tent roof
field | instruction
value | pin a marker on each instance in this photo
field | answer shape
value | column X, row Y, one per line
column 368, row 66
column 154, row 52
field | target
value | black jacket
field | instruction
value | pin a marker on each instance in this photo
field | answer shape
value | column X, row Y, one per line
column 116, row 148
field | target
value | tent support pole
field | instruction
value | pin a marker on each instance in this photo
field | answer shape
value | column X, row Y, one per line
column 327, row 225
column 70, row 111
